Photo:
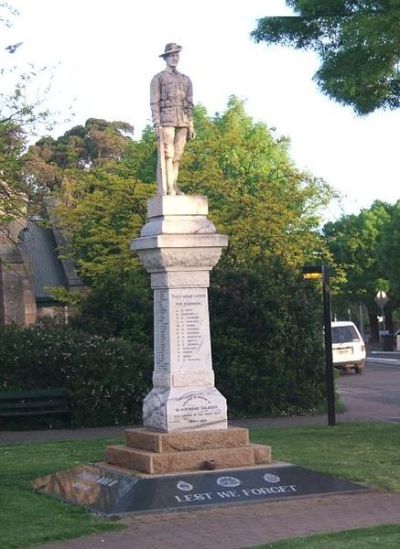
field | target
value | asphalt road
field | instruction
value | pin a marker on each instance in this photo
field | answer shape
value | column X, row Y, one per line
column 375, row 393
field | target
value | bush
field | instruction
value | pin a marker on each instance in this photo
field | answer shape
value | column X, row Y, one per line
column 106, row 378
column 266, row 329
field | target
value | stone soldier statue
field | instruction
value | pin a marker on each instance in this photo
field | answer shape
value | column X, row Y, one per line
column 171, row 100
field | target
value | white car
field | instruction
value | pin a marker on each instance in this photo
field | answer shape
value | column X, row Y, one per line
column 348, row 347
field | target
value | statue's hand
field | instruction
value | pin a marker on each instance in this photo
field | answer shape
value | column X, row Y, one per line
column 191, row 133
column 157, row 130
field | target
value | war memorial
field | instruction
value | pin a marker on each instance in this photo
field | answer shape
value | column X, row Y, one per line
column 185, row 454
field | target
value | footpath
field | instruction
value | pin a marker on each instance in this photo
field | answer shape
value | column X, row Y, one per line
column 246, row 525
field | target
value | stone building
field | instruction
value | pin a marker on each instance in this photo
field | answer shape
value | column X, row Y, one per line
column 30, row 264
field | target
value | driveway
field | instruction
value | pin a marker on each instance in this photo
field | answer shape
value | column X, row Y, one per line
column 374, row 394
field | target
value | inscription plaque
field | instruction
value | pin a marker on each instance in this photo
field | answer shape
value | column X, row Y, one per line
column 161, row 330
column 182, row 331
column 189, row 312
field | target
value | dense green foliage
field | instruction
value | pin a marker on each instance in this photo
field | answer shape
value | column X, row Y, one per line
column 12, row 199
column 388, row 251
column 267, row 341
column 358, row 43
column 93, row 145
column 106, row 378
column 256, row 195
column 269, row 209
column 18, row 117
column 363, row 247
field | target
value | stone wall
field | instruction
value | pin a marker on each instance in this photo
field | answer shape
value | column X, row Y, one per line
column 17, row 300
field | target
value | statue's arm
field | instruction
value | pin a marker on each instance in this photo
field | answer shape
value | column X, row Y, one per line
column 189, row 98
column 155, row 97
column 189, row 109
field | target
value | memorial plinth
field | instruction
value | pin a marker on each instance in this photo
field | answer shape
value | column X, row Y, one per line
column 184, row 415
column 154, row 452
column 178, row 247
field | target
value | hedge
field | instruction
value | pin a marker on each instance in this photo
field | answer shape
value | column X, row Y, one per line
column 266, row 331
column 106, row 377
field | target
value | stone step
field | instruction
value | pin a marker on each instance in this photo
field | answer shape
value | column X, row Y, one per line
column 191, row 460
column 182, row 441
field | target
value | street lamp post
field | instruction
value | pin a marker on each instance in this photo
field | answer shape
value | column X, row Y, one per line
column 381, row 299
column 321, row 272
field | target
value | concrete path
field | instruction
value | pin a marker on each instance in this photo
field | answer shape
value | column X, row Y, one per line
column 246, row 525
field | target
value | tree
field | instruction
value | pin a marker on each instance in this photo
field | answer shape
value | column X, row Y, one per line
column 387, row 252
column 18, row 118
column 92, row 145
column 355, row 241
column 257, row 195
column 100, row 213
column 12, row 196
column 269, row 210
column 358, row 42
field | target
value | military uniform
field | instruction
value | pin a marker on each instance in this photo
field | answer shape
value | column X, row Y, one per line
column 171, row 101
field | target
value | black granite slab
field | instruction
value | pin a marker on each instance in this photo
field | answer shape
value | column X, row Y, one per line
column 108, row 492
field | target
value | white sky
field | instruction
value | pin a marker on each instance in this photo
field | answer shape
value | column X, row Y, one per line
column 108, row 52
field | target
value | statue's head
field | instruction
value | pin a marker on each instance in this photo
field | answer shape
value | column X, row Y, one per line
column 171, row 48
column 171, row 54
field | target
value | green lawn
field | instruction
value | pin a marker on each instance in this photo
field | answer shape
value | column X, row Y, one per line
column 28, row 518
column 367, row 453
column 385, row 537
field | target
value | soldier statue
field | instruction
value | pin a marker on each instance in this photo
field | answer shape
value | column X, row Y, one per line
column 171, row 101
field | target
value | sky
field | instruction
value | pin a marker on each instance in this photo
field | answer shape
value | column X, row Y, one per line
column 106, row 53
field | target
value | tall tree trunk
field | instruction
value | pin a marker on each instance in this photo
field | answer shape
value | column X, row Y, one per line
column 389, row 318
column 374, row 327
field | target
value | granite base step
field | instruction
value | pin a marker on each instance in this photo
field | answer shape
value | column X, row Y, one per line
column 193, row 460
column 153, row 452
column 184, row 441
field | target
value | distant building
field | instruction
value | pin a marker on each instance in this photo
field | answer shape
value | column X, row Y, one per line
column 31, row 262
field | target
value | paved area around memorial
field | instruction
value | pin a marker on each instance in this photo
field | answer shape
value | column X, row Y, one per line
column 246, row 525
column 243, row 526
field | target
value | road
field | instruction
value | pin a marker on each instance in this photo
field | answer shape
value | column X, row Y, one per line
column 374, row 394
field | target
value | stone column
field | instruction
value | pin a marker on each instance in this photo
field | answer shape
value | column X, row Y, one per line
column 178, row 247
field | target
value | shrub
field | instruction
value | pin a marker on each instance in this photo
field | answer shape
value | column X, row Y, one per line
column 266, row 328
column 106, row 378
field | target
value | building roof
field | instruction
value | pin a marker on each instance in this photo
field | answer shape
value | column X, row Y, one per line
column 39, row 247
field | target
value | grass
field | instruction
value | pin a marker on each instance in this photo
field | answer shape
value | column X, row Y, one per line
column 366, row 453
column 28, row 518
column 387, row 537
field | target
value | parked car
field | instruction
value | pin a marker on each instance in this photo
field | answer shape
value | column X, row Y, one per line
column 348, row 347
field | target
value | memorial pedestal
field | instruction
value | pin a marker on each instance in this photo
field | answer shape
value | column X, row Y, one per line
column 178, row 247
column 157, row 453
column 184, row 415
